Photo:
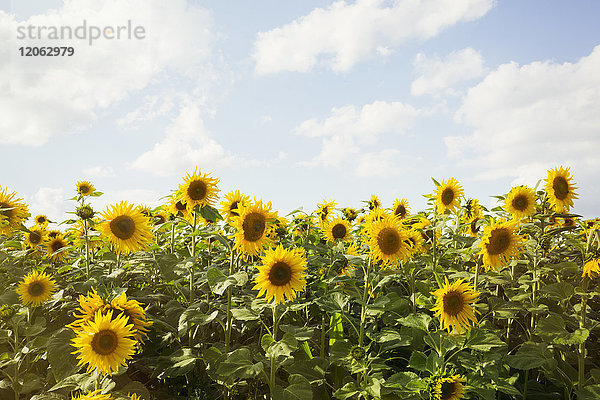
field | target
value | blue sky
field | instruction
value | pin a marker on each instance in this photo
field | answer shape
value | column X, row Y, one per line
column 293, row 102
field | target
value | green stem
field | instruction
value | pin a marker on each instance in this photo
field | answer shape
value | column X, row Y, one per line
column 192, row 268
column 17, row 365
column 581, row 353
column 273, row 358
column 229, row 315
column 173, row 237
column 413, row 290
column 323, row 339
column 525, row 385
column 87, row 249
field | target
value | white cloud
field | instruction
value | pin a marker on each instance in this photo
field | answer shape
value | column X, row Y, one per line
column 348, row 131
column 384, row 163
column 50, row 202
column 99, row 172
column 46, row 96
column 152, row 107
column 344, row 34
column 437, row 75
column 527, row 119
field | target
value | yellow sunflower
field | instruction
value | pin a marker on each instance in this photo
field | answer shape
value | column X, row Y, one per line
column 42, row 220
column 473, row 227
column 388, row 241
column 253, row 227
column 324, row 210
column 95, row 395
column 560, row 189
column 12, row 211
column 336, row 229
column 134, row 312
column 472, row 210
column 84, row 188
column 179, row 208
column 520, row 202
column 35, row 237
column 350, row 214
column 569, row 222
column 415, row 241
column 500, row 244
column 199, row 189
column 281, row 274
column 88, row 307
column 447, row 195
column 376, row 215
column 35, row 289
column 126, row 228
column 449, row 388
column 234, row 201
column 159, row 218
column 56, row 248
column 104, row 343
column 373, row 203
column 591, row 269
column 453, row 306
column 400, row 208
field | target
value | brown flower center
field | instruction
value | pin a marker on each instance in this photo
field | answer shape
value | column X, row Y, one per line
column 453, row 303
column 83, row 189
column 280, row 274
column 35, row 289
column 122, row 227
column 561, row 187
column 254, row 226
column 104, row 342
column 500, row 239
column 448, row 390
column 233, row 207
column 389, row 241
column 400, row 211
column 180, row 206
column 56, row 245
column 7, row 213
column 40, row 220
column 447, row 196
column 474, row 227
column 520, row 202
column 197, row 190
column 35, row 237
column 338, row 231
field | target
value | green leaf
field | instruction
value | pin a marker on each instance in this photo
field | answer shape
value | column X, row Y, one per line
column 590, row 392
column 560, row 291
column 314, row 369
column 418, row 361
column 239, row 365
column 193, row 316
column 298, row 389
column 419, row 321
column 347, row 391
column 38, row 327
column 177, row 364
column 336, row 328
column 218, row 281
column 532, row 355
column 210, row 213
column 434, row 363
column 244, row 314
column 301, row 333
column 59, row 349
column 483, row 341
column 283, row 347
column 552, row 328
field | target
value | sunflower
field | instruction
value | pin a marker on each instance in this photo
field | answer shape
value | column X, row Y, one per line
column 253, row 227
column 199, row 189
column 473, row 227
column 233, row 202
column 134, row 312
column 373, row 203
column 472, row 210
column 54, row 233
column 569, row 222
column 145, row 210
column 453, row 306
column 84, row 188
column 591, row 269
column 400, row 208
column 104, row 343
column 35, row 289
column 415, row 241
column 55, row 247
column 324, row 210
column 350, row 214
column 281, row 274
column 560, row 189
column 499, row 244
column 336, row 229
column 126, row 228
column 12, row 211
column 95, row 395
column 35, row 237
column 520, row 202
column 42, row 220
column 376, row 215
column 447, row 195
column 88, row 306
column 388, row 241
column 449, row 388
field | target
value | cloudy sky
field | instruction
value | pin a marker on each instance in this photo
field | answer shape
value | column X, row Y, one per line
column 293, row 102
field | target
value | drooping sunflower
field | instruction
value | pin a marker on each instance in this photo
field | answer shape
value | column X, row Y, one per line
column 88, row 307
column 472, row 210
column 415, row 241
column 84, row 188
column 336, row 229
column 104, row 343
column 54, row 233
column 569, row 222
column 591, row 269
column 12, row 211
column 560, row 189
column 349, row 213
column 324, row 210
column 499, row 244
column 159, row 218
column 373, row 203
column 95, row 395
column 134, row 312
column 35, row 289
column 447, row 195
column 388, row 240
column 473, row 228
column 281, row 274
column 449, row 388
column 400, row 208
column 55, row 246
column 199, row 189
column 35, row 237
column 453, row 306
column 520, row 202
column 42, row 220
column 234, row 201
column 253, row 227
column 376, row 215
column 179, row 208
column 126, row 228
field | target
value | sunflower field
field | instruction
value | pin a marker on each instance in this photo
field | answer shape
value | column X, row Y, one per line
column 216, row 296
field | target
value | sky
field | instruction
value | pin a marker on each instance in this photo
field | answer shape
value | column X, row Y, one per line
column 296, row 102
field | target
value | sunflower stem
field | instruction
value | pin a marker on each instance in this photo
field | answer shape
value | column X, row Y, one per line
column 363, row 314
column 229, row 294
column 273, row 357
column 525, row 384
column 87, row 249
column 173, row 237
column 581, row 353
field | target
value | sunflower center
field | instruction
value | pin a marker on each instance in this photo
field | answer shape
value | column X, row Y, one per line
column 234, row 206
column 56, row 245
column 453, row 303
column 122, row 227
column 561, row 187
column 254, row 226
column 448, row 390
column 104, row 342
column 389, row 241
column 338, row 231
column 35, row 289
column 180, row 206
column 41, row 220
column 520, row 203
column 83, row 189
column 6, row 213
column 401, row 211
column 447, row 196
column 474, row 227
column 499, row 241
column 280, row 274
column 197, row 190
column 35, row 237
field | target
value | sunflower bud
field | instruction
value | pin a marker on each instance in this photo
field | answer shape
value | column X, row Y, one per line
column 85, row 212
